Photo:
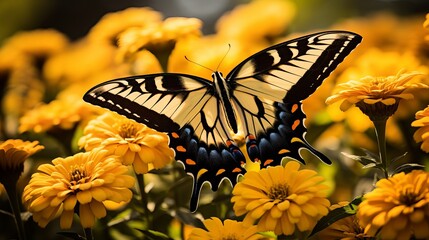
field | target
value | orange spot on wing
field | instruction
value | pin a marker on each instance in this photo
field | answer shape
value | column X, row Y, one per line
column 294, row 108
column 220, row 171
column 175, row 135
column 180, row 149
column 295, row 124
column 283, row 151
column 190, row 162
column 268, row 161
column 236, row 170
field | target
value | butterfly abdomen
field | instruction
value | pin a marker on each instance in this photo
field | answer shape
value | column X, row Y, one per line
column 223, row 92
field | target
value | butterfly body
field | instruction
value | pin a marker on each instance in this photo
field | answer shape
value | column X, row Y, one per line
column 256, row 107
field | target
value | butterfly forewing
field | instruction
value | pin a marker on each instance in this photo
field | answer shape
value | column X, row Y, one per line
column 294, row 69
column 165, row 102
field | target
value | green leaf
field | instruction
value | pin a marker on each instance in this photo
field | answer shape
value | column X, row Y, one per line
column 368, row 159
column 399, row 157
column 337, row 214
column 408, row 167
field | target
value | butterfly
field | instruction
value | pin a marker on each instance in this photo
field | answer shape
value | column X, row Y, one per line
column 255, row 111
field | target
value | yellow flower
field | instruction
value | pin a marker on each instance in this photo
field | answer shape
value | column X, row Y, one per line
column 135, row 143
column 81, row 183
column 376, row 96
column 158, row 34
column 242, row 22
column 35, row 45
column 398, row 208
column 111, row 25
column 422, row 134
column 281, row 199
column 426, row 25
column 344, row 229
column 64, row 113
column 229, row 229
column 13, row 153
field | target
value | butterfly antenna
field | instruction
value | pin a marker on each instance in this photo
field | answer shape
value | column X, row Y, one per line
column 229, row 48
column 198, row 64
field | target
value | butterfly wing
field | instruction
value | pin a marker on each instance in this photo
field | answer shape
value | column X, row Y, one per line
column 187, row 109
column 269, row 86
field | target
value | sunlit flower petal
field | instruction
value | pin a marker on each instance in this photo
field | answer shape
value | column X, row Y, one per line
column 229, row 229
column 422, row 134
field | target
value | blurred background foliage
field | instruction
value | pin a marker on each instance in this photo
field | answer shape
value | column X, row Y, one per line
column 75, row 18
column 331, row 131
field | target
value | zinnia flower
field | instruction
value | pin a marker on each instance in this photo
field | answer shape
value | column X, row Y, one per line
column 79, row 183
column 398, row 208
column 377, row 97
column 13, row 153
column 161, row 34
column 346, row 228
column 55, row 115
column 426, row 25
column 422, row 134
column 135, row 143
column 281, row 199
column 229, row 229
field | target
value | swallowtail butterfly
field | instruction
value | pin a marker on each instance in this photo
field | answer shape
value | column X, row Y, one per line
column 259, row 100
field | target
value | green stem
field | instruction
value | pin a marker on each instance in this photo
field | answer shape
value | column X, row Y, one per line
column 88, row 233
column 380, row 131
column 14, row 204
column 143, row 195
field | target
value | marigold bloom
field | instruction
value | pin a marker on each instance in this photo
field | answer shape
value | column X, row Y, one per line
column 281, row 199
column 112, row 24
column 344, row 229
column 163, row 33
column 80, row 182
column 398, row 207
column 422, row 134
column 64, row 112
column 377, row 96
column 242, row 22
column 229, row 229
column 135, row 143
column 13, row 153
column 426, row 25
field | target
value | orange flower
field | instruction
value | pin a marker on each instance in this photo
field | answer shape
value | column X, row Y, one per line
column 81, row 183
column 398, row 208
column 281, row 199
column 135, row 143
column 422, row 134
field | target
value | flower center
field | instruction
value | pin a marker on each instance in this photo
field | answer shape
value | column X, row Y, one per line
column 78, row 176
column 279, row 191
column 409, row 198
column 128, row 130
column 230, row 237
